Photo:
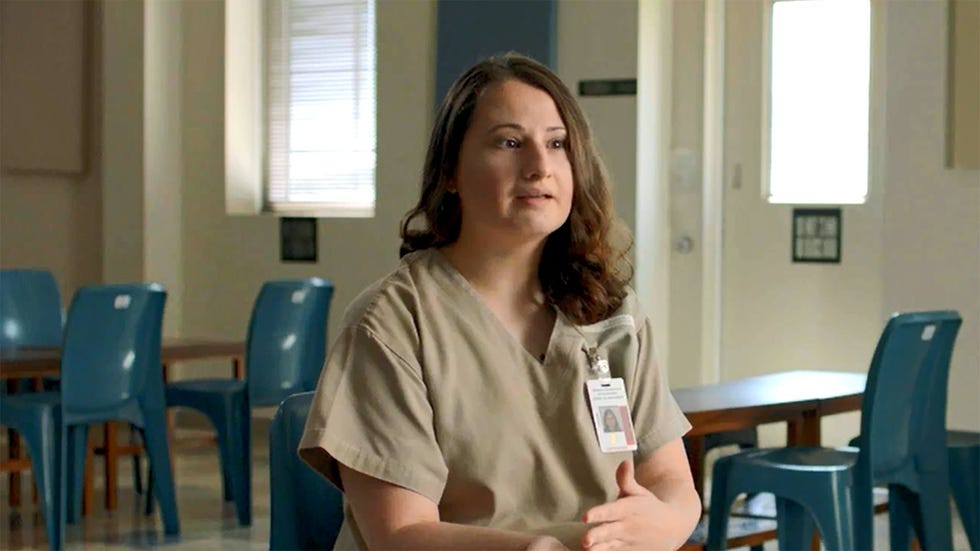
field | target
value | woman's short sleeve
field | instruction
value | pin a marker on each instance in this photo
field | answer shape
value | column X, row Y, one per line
column 654, row 407
column 371, row 412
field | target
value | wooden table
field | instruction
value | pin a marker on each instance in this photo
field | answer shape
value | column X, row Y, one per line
column 42, row 362
column 799, row 398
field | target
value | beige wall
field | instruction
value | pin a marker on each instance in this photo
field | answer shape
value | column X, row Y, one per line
column 226, row 258
column 214, row 263
column 931, row 233
column 55, row 221
column 598, row 40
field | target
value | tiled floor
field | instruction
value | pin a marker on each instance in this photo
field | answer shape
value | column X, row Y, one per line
column 206, row 522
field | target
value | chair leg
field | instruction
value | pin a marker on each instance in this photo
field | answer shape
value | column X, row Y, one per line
column 794, row 527
column 77, row 456
column 936, row 513
column 964, row 468
column 13, row 449
column 46, row 466
column 137, row 463
column 903, row 517
column 235, row 439
column 224, row 455
column 834, row 518
column 148, row 495
column 720, row 509
column 162, row 481
column 863, row 513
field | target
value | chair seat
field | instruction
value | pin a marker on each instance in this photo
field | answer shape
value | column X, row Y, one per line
column 26, row 401
column 199, row 387
column 801, row 458
column 226, row 404
column 764, row 505
column 962, row 439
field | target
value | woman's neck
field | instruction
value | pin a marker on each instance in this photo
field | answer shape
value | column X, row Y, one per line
column 507, row 274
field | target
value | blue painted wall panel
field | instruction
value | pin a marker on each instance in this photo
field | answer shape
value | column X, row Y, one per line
column 469, row 30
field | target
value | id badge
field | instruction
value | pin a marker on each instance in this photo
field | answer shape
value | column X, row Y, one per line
column 611, row 415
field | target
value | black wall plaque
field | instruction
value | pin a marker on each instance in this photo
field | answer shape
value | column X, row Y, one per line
column 609, row 87
column 817, row 235
column 297, row 239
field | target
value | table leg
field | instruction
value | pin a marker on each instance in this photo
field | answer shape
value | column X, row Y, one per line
column 88, row 488
column 803, row 431
column 13, row 452
column 111, row 456
column 694, row 446
column 806, row 432
column 170, row 415
column 237, row 369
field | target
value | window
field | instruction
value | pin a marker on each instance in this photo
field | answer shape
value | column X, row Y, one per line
column 817, row 140
column 320, row 106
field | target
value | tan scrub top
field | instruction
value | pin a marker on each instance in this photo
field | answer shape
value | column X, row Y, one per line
column 426, row 389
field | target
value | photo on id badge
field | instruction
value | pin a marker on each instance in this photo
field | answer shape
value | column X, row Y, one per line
column 611, row 416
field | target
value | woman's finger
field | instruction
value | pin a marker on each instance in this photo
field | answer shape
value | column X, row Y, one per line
column 612, row 511
column 603, row 533
column 608, row 546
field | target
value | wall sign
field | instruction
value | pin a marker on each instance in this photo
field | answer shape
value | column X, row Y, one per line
column 612, row 87
column 817, row 235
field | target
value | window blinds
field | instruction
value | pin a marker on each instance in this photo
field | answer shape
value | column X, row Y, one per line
column 321, row 106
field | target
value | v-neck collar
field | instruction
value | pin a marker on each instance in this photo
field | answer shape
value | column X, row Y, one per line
column 456, row 277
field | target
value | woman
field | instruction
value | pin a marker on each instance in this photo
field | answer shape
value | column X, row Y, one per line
column 609, row 422
column 452, row 409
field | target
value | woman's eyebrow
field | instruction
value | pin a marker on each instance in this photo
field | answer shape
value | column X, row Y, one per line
column 515, row 126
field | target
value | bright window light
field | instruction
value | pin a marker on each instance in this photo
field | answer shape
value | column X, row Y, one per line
column 818, row 104
column 321, row 107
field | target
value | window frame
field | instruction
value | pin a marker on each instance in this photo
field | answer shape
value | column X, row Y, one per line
column 766, row 117
column 246, row 123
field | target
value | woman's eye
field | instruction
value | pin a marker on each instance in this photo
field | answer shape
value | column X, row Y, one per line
column 509, row 143
column 557, row 144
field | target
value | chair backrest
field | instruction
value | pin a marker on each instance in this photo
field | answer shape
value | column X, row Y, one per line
column 903, row 413
column 306, row 510
column 30, row 309
column 287, row 339
column 111, row 353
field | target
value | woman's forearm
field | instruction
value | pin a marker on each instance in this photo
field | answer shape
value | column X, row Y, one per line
column 680, row 495
column 446, row 535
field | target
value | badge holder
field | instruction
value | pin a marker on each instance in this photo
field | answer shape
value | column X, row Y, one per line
column 610, row 407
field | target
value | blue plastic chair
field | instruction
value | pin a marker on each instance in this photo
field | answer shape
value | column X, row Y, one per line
column 110, row 370
column 903, row 416
column 964, row 475
column 30, row 309
column 30, row 316
column 963, row 448
column 307, row 511
column 284, row 354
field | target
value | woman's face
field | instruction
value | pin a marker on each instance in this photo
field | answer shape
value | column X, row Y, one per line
column 514, row 177
column 609, row 419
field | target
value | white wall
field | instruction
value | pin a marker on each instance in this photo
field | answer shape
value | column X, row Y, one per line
column 931, row 233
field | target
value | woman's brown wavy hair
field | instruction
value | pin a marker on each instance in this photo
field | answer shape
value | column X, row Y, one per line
column 583, row 272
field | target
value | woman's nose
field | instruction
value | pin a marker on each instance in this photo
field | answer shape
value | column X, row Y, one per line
column 536, row 164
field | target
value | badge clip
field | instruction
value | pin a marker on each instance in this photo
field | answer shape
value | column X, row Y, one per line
column 598, row 364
